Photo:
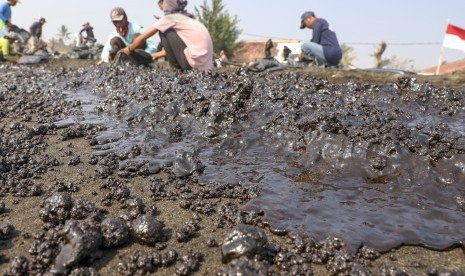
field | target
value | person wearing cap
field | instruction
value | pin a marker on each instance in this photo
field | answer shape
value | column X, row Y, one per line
column 89, row 38
column 324, row 45
column 36, row 28
column 5, row 43
column 123, row 35
column 5, row 15
column 34, row 42
column 186, row 42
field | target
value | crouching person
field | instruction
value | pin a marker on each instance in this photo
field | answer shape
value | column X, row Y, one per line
column 35, row 43
column 324, row 45
column 186, row 42
column 6, row 43
column 123, row 35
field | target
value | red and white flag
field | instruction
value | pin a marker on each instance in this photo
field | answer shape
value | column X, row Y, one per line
column 454, row 38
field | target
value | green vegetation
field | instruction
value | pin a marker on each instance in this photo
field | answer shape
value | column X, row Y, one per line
column 221, row 25
column 392, row 62
column 63, row 34
column 348, row 56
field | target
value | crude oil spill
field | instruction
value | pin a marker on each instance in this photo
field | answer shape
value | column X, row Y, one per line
column 375, row 165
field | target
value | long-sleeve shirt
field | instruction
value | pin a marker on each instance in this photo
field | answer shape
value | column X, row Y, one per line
column 326, row 37
column 5, row 12
column 127, row 39
column 36, row 29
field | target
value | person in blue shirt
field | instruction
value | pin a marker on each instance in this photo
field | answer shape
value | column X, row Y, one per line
column 35, row 42
column 36, row 28
column 5, row 16
column 324, row 45
column 123, row 35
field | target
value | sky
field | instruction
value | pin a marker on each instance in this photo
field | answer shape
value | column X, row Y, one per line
column 412, row 29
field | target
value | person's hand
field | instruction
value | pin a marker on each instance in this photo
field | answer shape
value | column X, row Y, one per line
column 99, row 62
column 126, row 51
column 158, row 55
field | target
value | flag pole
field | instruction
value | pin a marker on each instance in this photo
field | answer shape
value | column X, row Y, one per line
column 441, row 54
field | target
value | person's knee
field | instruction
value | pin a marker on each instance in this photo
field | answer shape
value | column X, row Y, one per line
column 117, row 44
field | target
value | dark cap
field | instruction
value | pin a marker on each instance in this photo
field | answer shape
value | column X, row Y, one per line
column 304, row 16
column 117, row 14
column 43, row 19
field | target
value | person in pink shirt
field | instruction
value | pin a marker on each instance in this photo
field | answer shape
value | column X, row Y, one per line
column 186, row 42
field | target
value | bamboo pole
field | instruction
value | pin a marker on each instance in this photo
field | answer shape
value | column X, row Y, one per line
column 441, row 54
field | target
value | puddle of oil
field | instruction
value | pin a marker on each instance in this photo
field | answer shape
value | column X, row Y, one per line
column 324, row 187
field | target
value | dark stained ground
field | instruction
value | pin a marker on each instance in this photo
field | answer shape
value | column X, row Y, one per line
column 204, row 154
